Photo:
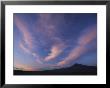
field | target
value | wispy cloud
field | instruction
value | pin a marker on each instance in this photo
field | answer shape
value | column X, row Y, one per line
column 74, row 54
column 88, row 37
column 80, row 48
column 30, row 52
column 55, row 51
column 37, row 57
column 47, row 26
column 27, row 38
column 22, row 26
column 21, row 45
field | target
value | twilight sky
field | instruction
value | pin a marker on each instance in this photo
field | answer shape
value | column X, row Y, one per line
column 54, row 40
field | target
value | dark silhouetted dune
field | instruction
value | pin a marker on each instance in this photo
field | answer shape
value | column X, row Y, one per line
column 77, row 69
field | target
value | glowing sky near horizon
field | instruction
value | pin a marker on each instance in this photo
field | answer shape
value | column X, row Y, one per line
column 54, row 40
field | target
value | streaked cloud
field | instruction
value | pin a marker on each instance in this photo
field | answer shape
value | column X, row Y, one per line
column 88, row 37
column 47, row 24
column 80, row 48
column 37, row 57
column 21, row 45
column 74, row 54
column 27, row 38
column 22, row 26
column 55, row 51
column 30, row 52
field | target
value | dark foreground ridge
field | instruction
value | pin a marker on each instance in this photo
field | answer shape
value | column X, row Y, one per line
column 77, row 69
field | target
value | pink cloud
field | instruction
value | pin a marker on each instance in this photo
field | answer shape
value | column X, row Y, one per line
column 27, row 50
column 38, row 58
column 74, row 54
column 21, row 45
column 22, row 26
column 80, row 49
column 27, row 38
column 47, row 24
column 88, row 37
column 55, row 51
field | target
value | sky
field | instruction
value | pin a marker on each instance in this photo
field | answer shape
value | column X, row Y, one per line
column 45, row 41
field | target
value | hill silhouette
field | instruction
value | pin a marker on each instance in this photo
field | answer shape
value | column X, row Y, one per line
column 76, row 69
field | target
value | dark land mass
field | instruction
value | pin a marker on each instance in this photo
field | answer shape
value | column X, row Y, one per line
column 77, row 69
